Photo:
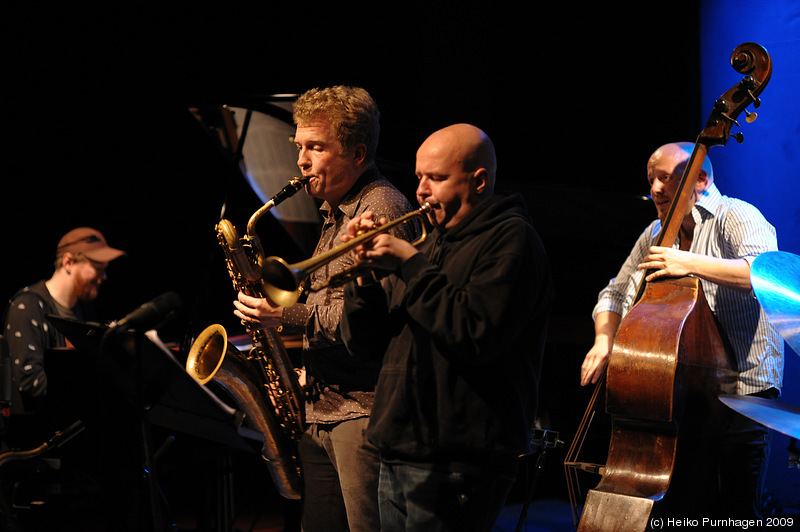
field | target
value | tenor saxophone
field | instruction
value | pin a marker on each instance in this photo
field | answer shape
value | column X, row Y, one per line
column 263, row 382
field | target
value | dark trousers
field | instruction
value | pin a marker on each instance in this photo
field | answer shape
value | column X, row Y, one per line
column 743, row 460
column 340, row 476
column 413, row 499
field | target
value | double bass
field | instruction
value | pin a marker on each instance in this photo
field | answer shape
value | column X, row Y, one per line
column 667, row 367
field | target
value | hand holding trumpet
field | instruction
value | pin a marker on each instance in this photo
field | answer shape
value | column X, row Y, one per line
column 384, row 251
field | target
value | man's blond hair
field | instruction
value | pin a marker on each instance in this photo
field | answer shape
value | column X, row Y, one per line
column 351, row 111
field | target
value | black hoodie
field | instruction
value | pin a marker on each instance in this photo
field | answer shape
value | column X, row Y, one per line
column 464, row 325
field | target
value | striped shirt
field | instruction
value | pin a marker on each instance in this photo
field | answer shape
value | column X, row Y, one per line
column 725, row 228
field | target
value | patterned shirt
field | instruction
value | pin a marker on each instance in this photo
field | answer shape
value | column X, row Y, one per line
column 29, row 335
column 341, row 386
column 725, row 228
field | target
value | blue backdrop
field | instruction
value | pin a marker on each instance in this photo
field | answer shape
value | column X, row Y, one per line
column 763, row 170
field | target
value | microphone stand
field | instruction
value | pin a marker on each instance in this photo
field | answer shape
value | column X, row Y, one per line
column 541, row 440
column 148, row 465
column 148, row 457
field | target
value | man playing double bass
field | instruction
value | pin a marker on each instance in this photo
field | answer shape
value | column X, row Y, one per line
column 718, row 239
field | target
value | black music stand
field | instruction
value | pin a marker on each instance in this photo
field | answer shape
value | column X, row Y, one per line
column 141, row 370
column 147, row 374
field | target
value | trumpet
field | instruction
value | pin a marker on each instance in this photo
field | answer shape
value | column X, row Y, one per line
column 282, row 281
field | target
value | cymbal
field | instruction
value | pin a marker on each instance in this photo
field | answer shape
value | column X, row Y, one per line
column 779, row 416
column 775, row 277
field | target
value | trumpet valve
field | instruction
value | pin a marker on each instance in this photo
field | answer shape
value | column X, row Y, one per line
column 362, row 229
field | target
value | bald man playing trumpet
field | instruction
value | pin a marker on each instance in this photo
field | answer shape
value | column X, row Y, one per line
column 461, row 320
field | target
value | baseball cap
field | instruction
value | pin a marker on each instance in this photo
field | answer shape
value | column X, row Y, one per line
column 89, row 242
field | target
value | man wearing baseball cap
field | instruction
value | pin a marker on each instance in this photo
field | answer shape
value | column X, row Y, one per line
column 82, row 256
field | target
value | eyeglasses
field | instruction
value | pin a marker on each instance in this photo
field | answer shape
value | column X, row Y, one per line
column 99, row 267
column 91, row 239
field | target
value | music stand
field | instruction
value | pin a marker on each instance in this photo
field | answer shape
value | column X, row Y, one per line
column 149, row 375
column 143, row 371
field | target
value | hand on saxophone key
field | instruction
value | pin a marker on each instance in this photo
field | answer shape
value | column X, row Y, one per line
column 258, row 311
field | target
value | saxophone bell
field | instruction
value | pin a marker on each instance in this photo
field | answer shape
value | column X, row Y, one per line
column 207, row 353
column 213, row 357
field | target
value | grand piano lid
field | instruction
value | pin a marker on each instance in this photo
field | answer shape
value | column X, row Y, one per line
column 259, row 132
column 775, row 277
column 270, row 159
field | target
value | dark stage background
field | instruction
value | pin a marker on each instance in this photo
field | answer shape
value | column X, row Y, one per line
column 575, row 100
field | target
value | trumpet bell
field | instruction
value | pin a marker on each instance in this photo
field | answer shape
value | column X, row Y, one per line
column 281, row 282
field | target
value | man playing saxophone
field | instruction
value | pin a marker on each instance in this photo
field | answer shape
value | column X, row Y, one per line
column 336, row 138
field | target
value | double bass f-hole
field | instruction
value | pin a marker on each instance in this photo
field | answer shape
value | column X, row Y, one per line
column 645, row 399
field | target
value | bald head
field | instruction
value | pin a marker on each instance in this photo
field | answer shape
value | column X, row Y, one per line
column 456, row 169
column 677, row 154
column 467, row 146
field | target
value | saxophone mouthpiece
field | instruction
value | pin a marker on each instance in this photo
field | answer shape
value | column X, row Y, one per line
column 294, row 186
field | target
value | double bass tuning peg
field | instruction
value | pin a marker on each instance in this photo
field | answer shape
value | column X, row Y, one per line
column 751, row 117
column 749, row 84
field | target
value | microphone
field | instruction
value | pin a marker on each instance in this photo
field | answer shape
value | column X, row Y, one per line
column 152, row 314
